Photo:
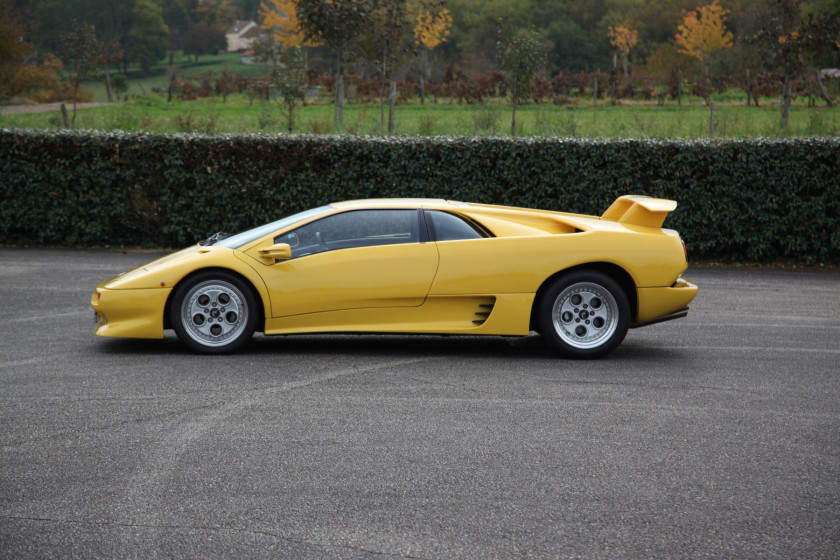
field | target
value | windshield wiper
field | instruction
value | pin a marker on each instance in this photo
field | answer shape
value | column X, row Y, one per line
column 218, row 236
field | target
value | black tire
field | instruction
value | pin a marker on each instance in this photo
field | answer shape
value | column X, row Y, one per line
column 584, row 314
column 214, row 312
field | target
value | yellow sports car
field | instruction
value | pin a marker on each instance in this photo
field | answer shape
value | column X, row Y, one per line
column 414, row 266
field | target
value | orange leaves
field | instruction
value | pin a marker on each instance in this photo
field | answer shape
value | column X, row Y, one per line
column 702, row 31
column 789, row 38
column 281, row 17
column 623, row 37
column 432, row 29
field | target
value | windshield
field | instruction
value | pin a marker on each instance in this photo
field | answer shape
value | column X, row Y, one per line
column 240, row 239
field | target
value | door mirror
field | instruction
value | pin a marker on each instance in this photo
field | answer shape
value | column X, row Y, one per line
column 277, row 252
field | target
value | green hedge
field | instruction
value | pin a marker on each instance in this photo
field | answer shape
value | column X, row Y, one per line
column 746, row 200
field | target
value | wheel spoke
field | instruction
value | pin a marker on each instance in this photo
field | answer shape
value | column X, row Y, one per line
column 214, row 313
column 585, row 315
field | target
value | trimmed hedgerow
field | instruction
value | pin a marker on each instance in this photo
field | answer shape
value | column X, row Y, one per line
column 745, row 200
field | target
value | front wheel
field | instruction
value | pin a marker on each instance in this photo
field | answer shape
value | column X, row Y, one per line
column 214, row 312
column 584, row 314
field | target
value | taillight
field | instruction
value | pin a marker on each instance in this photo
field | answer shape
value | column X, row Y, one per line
column 685, row 249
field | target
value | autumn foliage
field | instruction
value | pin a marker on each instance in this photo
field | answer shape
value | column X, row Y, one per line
column 432, row 29
column 702, row 31
column 623, row 37
column 280, row 16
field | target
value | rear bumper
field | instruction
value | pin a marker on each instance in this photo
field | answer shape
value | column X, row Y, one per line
column 671, row 316
column 663, row 304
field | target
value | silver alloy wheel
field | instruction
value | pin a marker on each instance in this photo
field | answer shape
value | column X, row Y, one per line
column 585, row 315
column 214, row 313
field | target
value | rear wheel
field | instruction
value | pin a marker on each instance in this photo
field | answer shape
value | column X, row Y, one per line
column 584, row 314
column 214, row 312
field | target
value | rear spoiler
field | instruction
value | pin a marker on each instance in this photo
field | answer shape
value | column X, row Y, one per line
column 639, row 210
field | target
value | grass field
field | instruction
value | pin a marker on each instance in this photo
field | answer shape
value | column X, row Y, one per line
column 186, row 67
column 585, row 119
column 580, row 118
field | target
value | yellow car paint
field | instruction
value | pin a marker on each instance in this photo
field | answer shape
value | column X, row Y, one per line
column 432, row 287
column 509, row 315
column 134, row 313
column 386, row 276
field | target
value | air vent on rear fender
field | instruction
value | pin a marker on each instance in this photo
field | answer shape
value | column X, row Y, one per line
column 485, row 307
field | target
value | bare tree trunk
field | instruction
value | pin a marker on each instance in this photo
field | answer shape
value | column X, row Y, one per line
column 625, row 64
column 595, row 88
column 823, row 93
column 748, row 87
column 64, row 116
column 392, row 99
column 382, row 95
column 513, row 117
column 305, row 73
column 108, row 89
column 679, row 87
column 171, row 87
column 75, row 96
column 711, row 119
column 339, row 92
column 788, row 86
column 424, row 63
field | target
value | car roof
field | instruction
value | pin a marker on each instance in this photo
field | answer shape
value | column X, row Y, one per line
column 390, row 203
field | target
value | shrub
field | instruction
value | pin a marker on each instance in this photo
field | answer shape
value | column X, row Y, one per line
column 747, row 200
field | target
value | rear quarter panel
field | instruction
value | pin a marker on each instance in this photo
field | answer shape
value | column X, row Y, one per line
column 651, row 257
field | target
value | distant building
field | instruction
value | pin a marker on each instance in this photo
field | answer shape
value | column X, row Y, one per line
column 241, row 35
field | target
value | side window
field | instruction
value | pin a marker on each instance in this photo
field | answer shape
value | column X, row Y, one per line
column 356, row 228
column 449, row 227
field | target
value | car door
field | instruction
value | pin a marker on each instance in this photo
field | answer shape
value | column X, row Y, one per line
column 350, row 260
column 471, row 261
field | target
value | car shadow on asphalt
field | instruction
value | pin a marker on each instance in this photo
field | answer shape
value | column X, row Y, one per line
column 528, row 347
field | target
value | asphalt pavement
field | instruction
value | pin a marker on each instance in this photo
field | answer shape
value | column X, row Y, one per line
column 714, row 436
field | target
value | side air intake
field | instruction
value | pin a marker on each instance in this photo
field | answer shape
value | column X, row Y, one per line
column 483, row 311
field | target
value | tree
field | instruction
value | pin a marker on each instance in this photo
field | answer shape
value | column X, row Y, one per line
column 13, row 47
column 573, row 49
column 219, row 14
column 280, row 17
column 148, row 38
column 387, row 40
column 83, row 56
column 337, row 23
column 431, row 30
column 288, row 73
column 178, row 20
column 522, row 57
column 788, row 42
column 200, row 39
column 623, row 38
column 247, row 9
column 702, row 32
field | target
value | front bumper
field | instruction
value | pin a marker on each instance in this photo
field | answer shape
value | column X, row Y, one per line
column 129, row 313
column 663, row 304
